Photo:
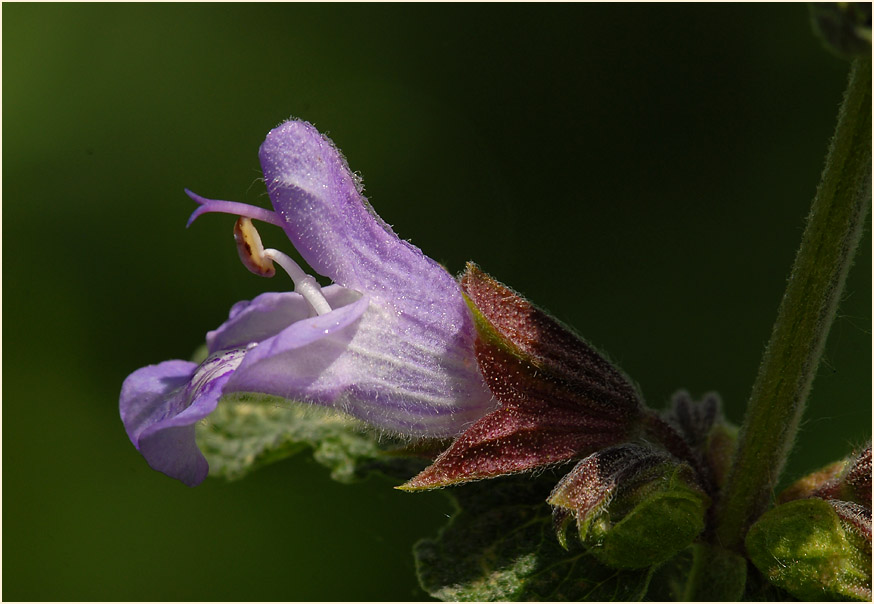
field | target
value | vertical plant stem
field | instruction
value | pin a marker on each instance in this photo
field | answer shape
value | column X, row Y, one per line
column 813, row 291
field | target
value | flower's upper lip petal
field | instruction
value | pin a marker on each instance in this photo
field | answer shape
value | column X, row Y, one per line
column 326, row 216
column 316, row 195
column 269, row 314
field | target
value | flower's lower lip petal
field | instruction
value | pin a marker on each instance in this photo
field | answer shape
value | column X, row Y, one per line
column 368, row 365
column 174, row 452
column 150, row 404
column 160, row 404
column 145, row 392
column 330, row 328
column 269, row 314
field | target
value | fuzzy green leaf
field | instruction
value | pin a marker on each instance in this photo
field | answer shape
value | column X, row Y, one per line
column 501, row 545
column 247, row 431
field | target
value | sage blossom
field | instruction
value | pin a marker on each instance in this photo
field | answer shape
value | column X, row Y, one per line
column 390, row 342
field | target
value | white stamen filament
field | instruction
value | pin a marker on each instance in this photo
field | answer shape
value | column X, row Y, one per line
column 260, row 261
column 305, row 285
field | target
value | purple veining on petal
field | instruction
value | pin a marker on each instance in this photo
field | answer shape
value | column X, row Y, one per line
column 371, row 371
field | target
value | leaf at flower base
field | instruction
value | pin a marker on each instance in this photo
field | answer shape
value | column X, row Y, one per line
column 248, row 431
column 500, row 546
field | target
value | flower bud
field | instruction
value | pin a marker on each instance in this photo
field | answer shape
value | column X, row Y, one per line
column 815, row 549
column 710, row 438
column 817, row 543
column 848, row 480
column 854, row 483
column 634, row 506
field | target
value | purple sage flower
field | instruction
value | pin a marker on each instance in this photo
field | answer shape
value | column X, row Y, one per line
column 391, row 342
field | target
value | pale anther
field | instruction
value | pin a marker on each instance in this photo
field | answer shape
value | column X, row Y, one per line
column 260, row 261
column 250, row 248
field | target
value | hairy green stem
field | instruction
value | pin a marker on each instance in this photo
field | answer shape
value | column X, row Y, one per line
column 789, row 364
column 717, row 575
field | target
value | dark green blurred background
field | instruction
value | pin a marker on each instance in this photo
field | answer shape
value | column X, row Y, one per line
column 642, row 171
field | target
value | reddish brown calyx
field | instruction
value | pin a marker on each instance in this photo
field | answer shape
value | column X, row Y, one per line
column 560, row 399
